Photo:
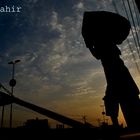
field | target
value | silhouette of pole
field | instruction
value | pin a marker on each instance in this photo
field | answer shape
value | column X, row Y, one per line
column 3, row 107
column 84, row 119
column 12, row 83
column 103, row 113
column 2, row 117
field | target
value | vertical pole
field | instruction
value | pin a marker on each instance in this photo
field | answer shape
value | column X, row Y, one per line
column 103, row 113
column 12, row 83
column 2, row 117
column 12, row 90
column 11, row 107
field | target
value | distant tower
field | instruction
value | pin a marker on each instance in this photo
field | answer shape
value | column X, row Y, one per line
column 103, row 113
column 12, row 83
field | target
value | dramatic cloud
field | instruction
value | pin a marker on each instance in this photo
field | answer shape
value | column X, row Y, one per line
column 56, row 70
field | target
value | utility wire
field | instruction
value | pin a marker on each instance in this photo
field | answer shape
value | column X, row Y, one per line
column 134, row 57
column 136, row 45
column 133, row 22
column 136, row 13
column 115, row 7
column 128, row 42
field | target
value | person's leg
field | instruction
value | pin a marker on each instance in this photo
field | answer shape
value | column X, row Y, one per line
column 111, row 109
column 115, row 120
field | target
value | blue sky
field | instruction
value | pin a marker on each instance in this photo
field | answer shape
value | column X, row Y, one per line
column 56, row 70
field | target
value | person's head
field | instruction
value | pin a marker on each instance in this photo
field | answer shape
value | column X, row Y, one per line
column 101, row 27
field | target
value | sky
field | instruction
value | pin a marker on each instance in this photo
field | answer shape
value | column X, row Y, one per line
column 56, row 70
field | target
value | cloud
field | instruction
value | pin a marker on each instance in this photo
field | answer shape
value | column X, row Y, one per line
column 54, row 22
column 56, row 71
column 59, row 65
column 53, row 54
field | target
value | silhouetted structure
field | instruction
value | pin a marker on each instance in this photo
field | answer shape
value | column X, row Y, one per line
column 102, row 31
column 60, row 126
column 6, row 99
column 37, row 123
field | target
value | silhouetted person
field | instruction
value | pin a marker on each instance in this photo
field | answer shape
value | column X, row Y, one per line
column 102, row 31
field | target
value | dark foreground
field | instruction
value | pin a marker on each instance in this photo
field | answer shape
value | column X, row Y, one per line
column 70, row 133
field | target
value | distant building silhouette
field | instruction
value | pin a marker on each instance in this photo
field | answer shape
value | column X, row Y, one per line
column 37, row 123
column 7, row 99
column 60, row 126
